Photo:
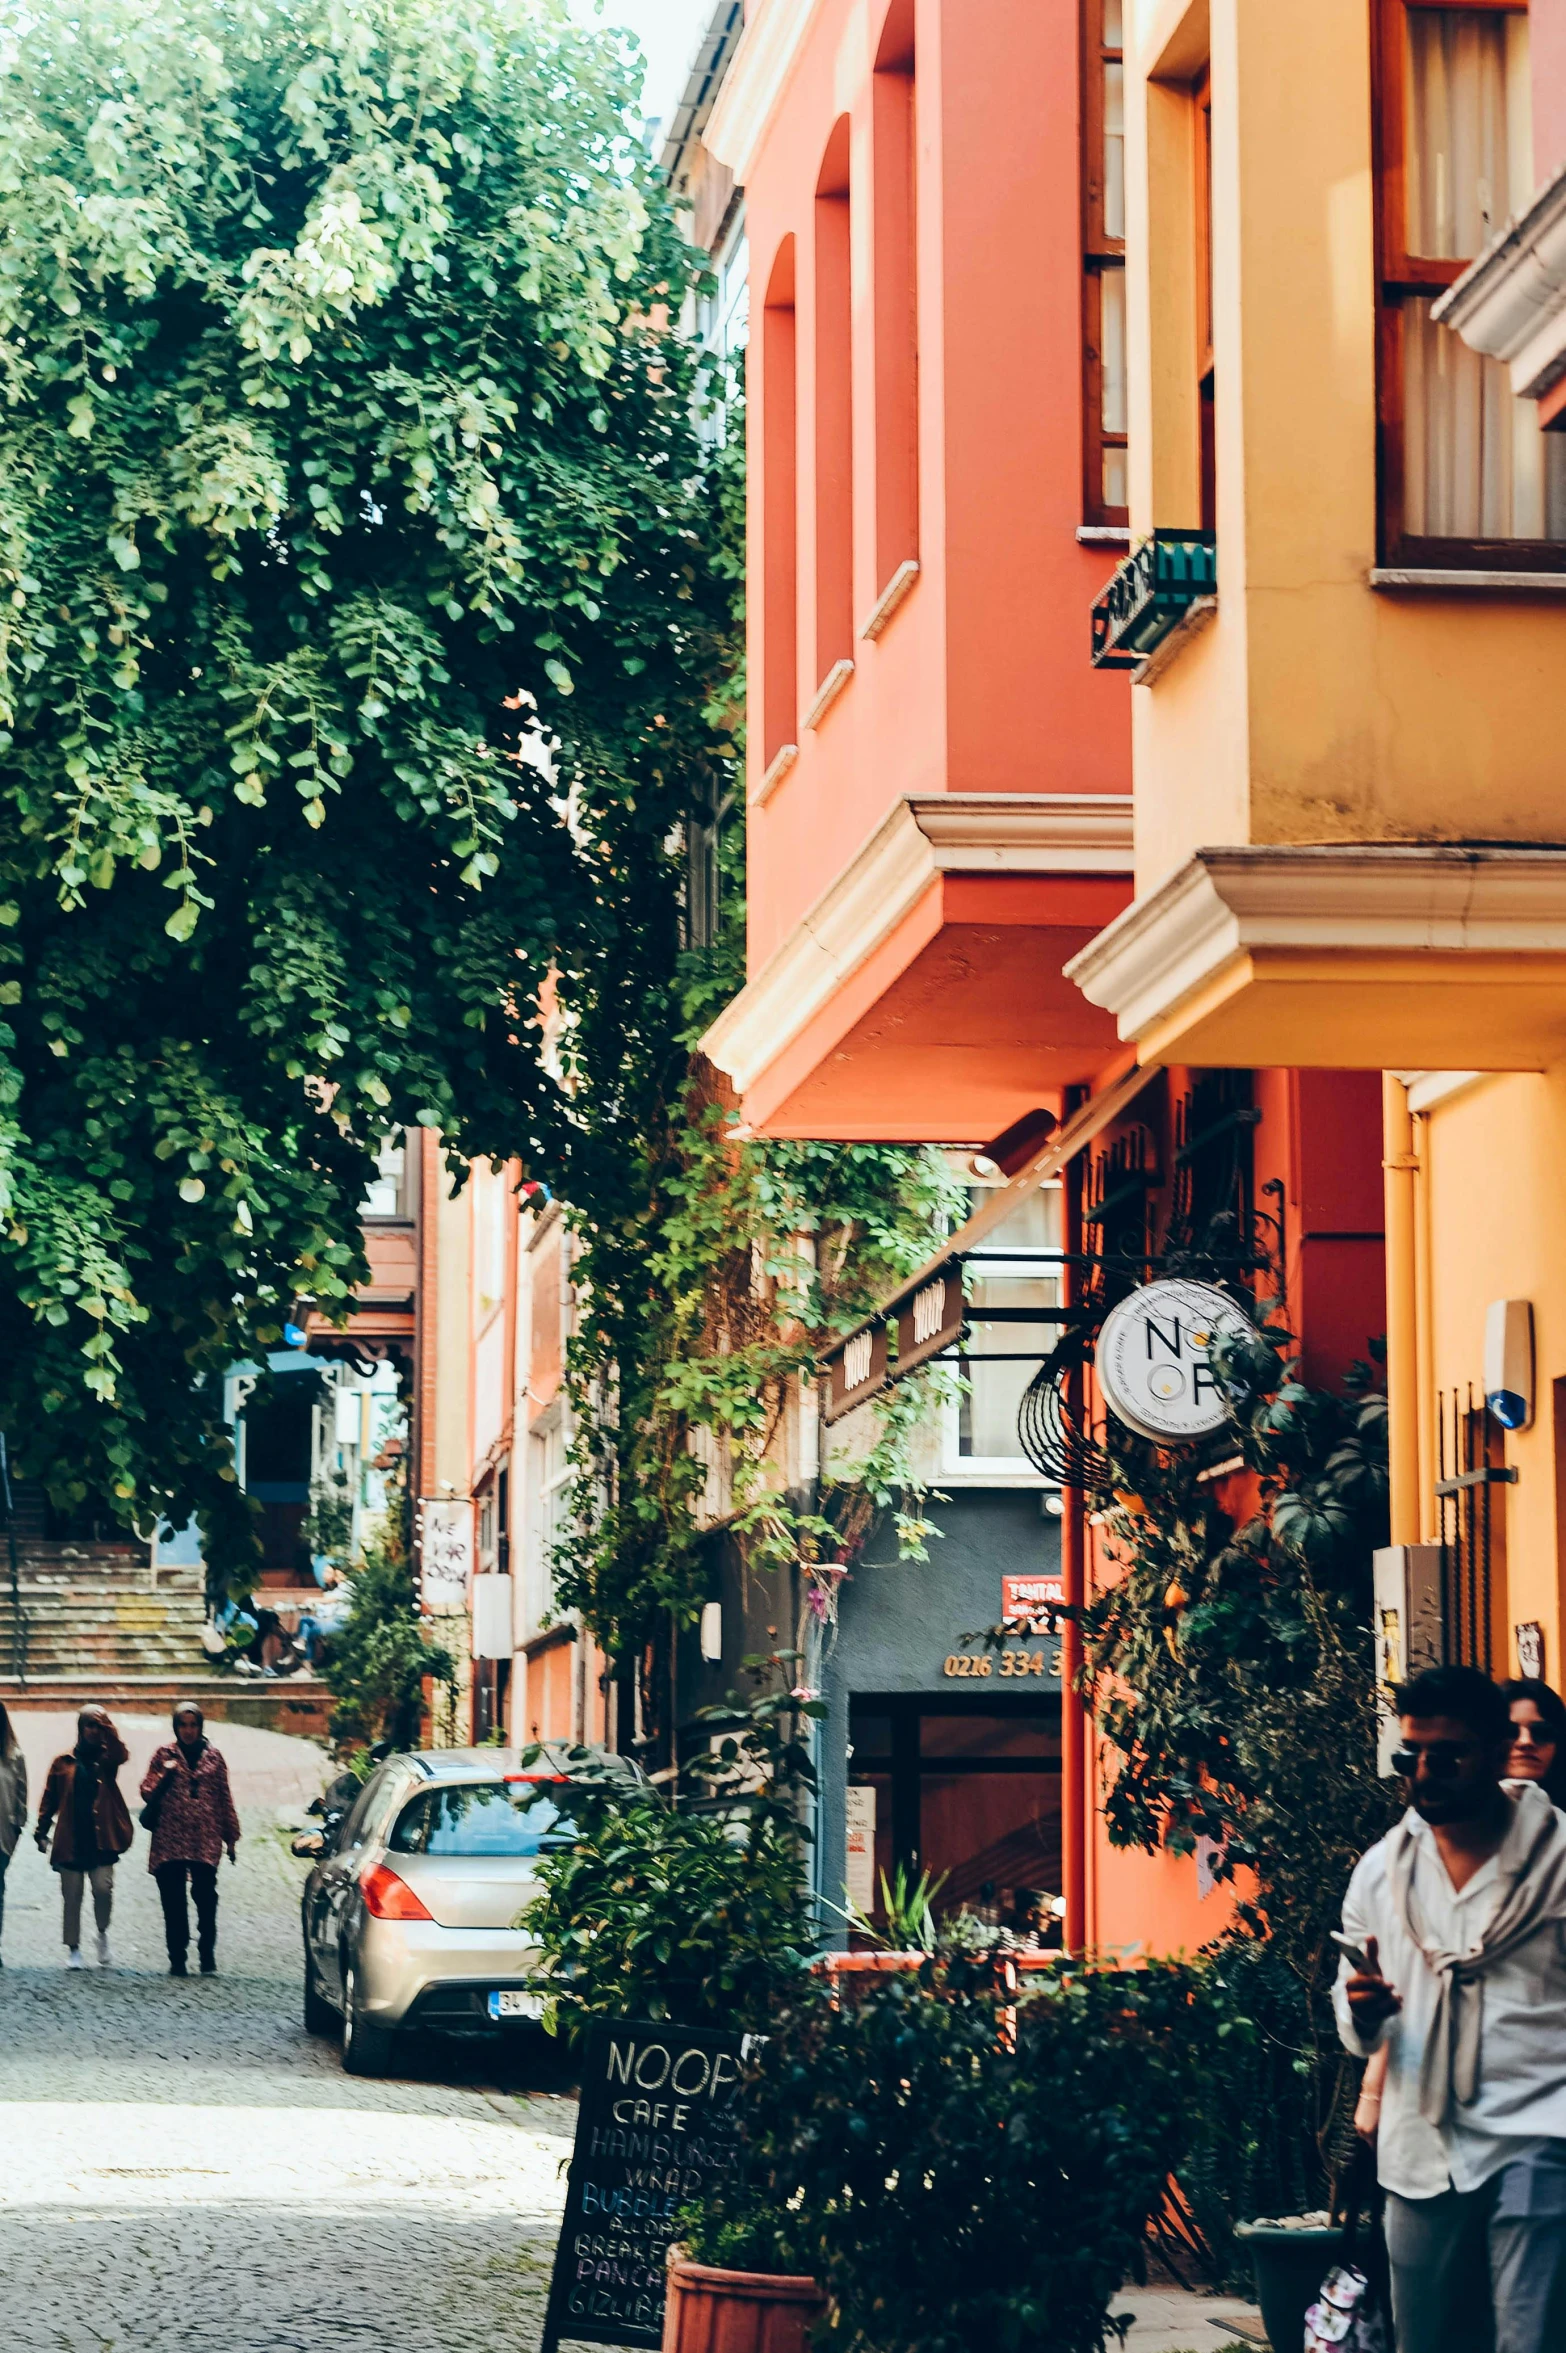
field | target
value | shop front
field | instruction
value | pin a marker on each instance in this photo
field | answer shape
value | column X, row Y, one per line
column 940, row 1754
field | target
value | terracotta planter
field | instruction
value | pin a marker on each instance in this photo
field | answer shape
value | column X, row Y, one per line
column 712, row 2311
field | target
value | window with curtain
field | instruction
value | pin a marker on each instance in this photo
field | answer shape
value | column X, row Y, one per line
column 1104, row 491
column 1469, row 476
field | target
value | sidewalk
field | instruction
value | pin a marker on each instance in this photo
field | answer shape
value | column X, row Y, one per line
column 1173, row 2320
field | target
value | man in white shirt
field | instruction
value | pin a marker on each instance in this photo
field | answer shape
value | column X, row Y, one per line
column 1459, row 1914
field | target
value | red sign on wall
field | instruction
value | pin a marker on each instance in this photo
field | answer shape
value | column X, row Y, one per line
column 1025, row 1597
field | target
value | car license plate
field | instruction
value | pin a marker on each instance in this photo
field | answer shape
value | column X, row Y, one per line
column 516, row 2005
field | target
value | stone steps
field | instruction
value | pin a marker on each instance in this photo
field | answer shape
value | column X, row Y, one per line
column 104, row 1623
column 299, row 1703
column 121, row 1631
column 99, row 1612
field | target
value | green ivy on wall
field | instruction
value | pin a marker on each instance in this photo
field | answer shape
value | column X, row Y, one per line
column 704, row 1308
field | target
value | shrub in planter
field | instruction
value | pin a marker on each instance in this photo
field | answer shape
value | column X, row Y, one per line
column 697, row 1913
column 948, row 2191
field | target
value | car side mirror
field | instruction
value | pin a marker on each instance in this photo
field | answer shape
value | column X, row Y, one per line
column 309, row 1842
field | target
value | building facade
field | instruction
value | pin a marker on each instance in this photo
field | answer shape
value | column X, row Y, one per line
column 948, row 447
column 1351, row 834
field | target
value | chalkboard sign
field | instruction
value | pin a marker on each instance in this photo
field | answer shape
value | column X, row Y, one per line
column 657, row 2124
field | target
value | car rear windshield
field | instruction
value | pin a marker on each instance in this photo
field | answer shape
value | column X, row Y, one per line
column 482, row 1818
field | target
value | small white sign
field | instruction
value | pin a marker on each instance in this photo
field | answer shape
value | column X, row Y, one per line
column 1152, row 1362
column 446, row 1551
column 492, row 1632
column 859, row 1871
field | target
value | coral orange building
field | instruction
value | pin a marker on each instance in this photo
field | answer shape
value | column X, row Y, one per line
column 943, row 431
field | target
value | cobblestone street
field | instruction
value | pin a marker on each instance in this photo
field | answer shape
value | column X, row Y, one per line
column 183, row 2170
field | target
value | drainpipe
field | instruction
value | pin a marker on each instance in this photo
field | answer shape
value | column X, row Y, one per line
column 1074, row 1753
column 18, row 1623
column 1424, row 1316
column 1400, row 1167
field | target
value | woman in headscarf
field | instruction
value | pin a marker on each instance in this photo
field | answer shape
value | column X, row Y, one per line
column 13, row 1798
column 194, row 1820
column 92, row 1828
column 1538, row 1736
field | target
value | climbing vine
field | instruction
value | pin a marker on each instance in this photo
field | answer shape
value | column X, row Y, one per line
column 707, row 1308
column 1228, row 1598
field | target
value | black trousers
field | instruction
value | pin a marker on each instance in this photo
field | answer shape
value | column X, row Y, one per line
column 176, row 1919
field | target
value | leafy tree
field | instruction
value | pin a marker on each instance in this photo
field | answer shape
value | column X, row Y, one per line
column 360, row 633
column 1229, row 1661
column 1228, row 1658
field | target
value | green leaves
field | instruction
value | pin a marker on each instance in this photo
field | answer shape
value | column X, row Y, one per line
column 336, row 375
column 892, row 2139
column 695, row 1912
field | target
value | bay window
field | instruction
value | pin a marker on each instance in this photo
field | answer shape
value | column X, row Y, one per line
column 1468, row 478
column 1104, row 490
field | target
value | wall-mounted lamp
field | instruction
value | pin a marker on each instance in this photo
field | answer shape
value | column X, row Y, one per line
column 712, row 1632
column 1508, row 1362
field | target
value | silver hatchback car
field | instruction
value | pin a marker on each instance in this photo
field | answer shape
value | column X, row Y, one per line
column 410, row 1911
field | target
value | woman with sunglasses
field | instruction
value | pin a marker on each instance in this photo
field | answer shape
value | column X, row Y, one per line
column 1538, row 1751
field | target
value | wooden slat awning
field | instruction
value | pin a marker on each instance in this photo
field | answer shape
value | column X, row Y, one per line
column 865, row 1349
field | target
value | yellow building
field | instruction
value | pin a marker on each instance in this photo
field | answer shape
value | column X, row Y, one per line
column 1350, row 793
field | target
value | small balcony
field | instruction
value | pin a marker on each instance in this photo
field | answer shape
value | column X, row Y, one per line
column 1165, row 587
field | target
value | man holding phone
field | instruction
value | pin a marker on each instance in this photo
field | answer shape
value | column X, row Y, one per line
column 1454, row 1937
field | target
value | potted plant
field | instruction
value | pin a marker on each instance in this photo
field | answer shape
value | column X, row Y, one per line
column 1291, row 2256
column 697, row 1912
column 739, row 2301
column 894, row 2140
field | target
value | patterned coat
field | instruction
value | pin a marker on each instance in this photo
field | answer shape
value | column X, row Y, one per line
column 197, row 1818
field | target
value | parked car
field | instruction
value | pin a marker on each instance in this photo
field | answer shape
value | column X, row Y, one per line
column 410, row 1911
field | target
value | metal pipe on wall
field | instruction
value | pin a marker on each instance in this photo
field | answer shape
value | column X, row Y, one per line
column 1400, row 1169
column 1424, row 1317
column 1074, row 1752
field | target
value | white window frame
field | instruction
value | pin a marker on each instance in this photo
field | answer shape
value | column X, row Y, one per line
column 1007, row 1262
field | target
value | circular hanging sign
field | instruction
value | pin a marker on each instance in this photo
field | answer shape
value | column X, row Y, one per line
column 1152, row 1360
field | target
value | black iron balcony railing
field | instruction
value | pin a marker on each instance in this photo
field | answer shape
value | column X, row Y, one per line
column 1150, row 594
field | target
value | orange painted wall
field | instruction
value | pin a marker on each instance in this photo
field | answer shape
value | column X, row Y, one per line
column 1150, row 1904
column 1320, row 1135
column 981, row 681
column 548, row 1706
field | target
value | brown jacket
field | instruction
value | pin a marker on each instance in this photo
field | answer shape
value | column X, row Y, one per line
column 110, row 1813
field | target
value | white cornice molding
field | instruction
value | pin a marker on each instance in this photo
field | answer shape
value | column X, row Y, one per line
column 919, row 838
column 1429, row 1089
column 1365, row 897
column 1510, row 304
column 761, row 70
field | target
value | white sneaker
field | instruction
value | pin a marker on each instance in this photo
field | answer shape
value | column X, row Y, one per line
column 73, row 1959
column 105, row 1957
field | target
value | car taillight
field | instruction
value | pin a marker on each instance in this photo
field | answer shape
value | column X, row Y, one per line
column 389, row 1897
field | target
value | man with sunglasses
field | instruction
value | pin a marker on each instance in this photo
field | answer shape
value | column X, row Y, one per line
column 1458, row 1921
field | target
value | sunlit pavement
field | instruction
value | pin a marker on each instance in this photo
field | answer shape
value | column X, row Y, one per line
column 183, row 2170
